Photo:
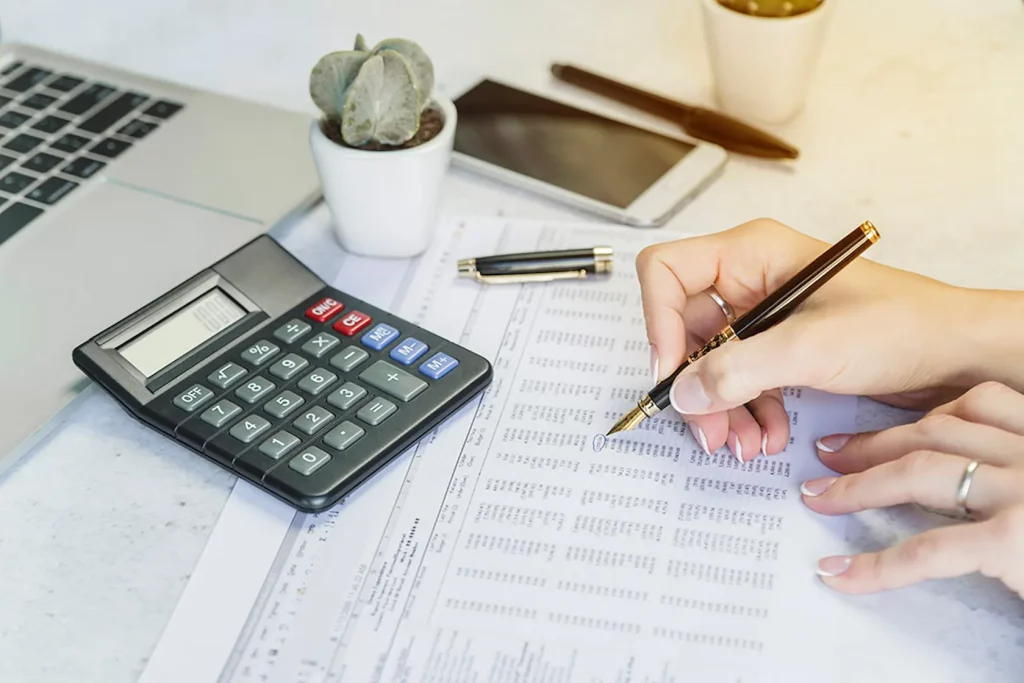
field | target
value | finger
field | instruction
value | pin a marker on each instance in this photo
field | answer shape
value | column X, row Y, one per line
column 769, row 410
column 938, row 432
column 710, row 431
column 937, row 554
column 992, row 404
column 927, row 478
column 744, row 438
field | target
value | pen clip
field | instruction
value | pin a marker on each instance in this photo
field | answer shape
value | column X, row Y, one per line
column 531, row 277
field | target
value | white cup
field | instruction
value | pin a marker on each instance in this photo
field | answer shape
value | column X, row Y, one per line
column 763, row 67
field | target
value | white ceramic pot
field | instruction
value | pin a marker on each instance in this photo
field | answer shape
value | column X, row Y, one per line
column 763, row 67
column 385, row 203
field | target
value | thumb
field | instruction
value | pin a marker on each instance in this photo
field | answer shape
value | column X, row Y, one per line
column 740, row 371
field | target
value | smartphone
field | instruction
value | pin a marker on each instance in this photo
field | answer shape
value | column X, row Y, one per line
column 611, row 168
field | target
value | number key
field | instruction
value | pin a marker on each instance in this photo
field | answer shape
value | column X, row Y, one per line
column 278, row 445
column 313, row 420
column 309, row 461
column 283, row 404
column 260, row 352
column 249, row 428
column 255, row 389
column 289, row 366
column 220, row 412
column 317, row 381
column 227, row 375
column 345, row 396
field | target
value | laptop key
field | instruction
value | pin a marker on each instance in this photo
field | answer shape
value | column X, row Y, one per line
column 11, row 68
column 163, row 109
column 50, row 124
column 87, row 99
column 27, row 79
column 70, row 143
column 24, row 143
column 64, row 83
column 42, row 162
column 13, row 119
column 51, row 190
column 110, row 147
column 113, row 112
column 15, row 217
column 5, row 161
column 15, row 182
column 137, row 129
column 83, row 167
column 38, row 101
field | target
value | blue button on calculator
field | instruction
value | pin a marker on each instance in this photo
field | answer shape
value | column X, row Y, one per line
column 439, row 365
column 380, row 336
column 408, row 351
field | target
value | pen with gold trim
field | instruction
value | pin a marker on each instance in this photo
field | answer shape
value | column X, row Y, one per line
column 778, row 306
column 538, row 266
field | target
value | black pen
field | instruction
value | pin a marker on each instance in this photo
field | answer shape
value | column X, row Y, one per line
column 538, row 266
column 774, row 309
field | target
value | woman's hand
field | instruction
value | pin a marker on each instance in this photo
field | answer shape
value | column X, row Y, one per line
column 924, row 463
column 872, row 330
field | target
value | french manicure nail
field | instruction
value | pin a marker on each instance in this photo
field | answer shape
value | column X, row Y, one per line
column 816, row 487
column 764, row 442
column 688, row 395
column 702, row 439
column 834, row 566
column 736, row 446
column 831, row 444
column 654, row 364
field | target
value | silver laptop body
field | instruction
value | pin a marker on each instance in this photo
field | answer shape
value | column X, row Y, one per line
column 114, row 188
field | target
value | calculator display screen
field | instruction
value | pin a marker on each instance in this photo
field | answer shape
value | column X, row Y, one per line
column 173, row 337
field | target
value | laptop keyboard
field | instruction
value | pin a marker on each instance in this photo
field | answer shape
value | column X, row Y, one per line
column 57, row 130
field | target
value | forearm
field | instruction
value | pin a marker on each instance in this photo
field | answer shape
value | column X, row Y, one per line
column 991, row 345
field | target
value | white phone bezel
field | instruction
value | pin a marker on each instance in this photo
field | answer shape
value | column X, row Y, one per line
column 653, row 207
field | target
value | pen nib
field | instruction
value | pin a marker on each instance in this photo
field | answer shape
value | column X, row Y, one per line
column 628, row 421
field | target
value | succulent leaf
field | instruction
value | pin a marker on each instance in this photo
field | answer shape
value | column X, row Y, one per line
column 331, row 79
column 419, row 62
column 383, row 104
column 361, row 43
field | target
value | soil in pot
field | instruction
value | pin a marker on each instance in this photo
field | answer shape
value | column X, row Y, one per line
column 431, row 123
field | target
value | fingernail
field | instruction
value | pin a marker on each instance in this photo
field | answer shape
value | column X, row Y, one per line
column 764, row 442
column 703, row 440
column 831, row 444
column 834, row 566
column 654, row 364
column 816, row 487
column 736, row 446
column 688, row 395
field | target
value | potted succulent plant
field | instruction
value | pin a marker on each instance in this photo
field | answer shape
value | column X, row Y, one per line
column 382, row 145
column 763, row 54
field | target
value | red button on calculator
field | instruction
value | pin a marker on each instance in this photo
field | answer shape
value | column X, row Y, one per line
column 324, row 309
column 352, row 323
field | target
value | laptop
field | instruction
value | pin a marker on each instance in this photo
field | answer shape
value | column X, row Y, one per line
column 114, row 188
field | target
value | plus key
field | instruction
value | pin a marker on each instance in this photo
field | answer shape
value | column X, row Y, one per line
column 324, row 309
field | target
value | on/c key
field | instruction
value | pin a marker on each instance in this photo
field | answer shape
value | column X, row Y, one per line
column 324, row 309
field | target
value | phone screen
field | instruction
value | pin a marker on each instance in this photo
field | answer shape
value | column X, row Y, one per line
column 582, row 152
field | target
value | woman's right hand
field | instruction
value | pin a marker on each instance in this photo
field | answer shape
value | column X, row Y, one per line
column 872, row 330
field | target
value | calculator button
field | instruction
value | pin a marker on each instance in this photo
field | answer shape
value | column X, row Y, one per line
column 309, row 461
column 408, row 351
column 289, row 366
column 278, row 445
column 284, row 404
column 375, row 412
column 345, row 396
column 255, row 389
column 313, row 420
column 193, row 397
column 352, row 323
column 343, row 436
column 292, row 330
column 395, row 382
column 439, row 365
column 227, row 375
column 220, row 413
column 324, row 309
column 249, row 428
column 320, row 344
column 348, row 358
column 317, row 381
column 380, row 336
column 260, row 352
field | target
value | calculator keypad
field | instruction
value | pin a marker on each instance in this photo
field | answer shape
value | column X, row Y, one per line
column 305, row 398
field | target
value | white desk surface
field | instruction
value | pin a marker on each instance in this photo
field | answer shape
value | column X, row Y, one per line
column 914, row 123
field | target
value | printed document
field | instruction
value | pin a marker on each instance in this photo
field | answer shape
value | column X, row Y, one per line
column 517, row 543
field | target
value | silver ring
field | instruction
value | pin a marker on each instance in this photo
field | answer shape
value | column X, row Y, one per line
column 722, row 303
column 965, row 488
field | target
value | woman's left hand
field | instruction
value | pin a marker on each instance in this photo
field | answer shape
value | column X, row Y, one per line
column 924, row 463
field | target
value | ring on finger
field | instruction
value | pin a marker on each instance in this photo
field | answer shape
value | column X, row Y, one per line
column 730, row 315
column 964, row 489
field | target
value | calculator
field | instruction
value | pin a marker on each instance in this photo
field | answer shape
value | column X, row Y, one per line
column 303, row 390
